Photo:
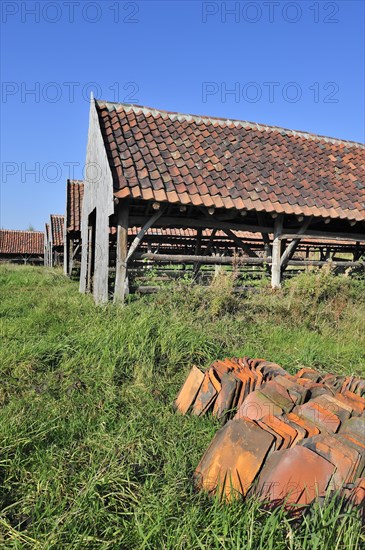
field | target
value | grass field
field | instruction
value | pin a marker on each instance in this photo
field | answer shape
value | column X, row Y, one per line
column 92, row 454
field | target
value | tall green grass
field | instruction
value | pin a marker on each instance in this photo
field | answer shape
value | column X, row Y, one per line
column 92, row 454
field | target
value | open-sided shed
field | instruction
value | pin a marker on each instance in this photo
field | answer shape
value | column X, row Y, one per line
column 21, row 246
column 54, row 241
column 72, row 225
column 150, row 168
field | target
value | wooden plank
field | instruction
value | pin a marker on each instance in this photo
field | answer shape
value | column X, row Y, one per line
column 89, row 258
column 205, row 223
column 192, row 259
column 70, row 256
column 322, row 235
column 288, row 254
column 198, row 247
column 210, row 242
column 276, row 254
column 147, row 225
column 319, row 263
column 265, row 236
column 120, row 288
column 245, row 247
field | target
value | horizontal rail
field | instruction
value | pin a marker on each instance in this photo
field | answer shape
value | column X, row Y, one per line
column 229, row 260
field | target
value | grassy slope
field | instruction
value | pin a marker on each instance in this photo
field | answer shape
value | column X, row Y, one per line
column 92, row 454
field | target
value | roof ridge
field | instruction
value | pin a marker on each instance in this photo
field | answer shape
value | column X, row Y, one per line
column 227, row 121
column 23, row 231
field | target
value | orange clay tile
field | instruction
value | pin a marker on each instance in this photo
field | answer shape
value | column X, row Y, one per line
column 278, row 394
column 296, row 391
column 308, row 373
column 278, row 439
column 356, row 405
column 301, row 433
column 344, row 458
column 257, row 405
column 189, row 390
column 287, row 432
column 225, row 399
column 282, row 438
column 206, row 395
column 321, row 417
column 333, row 405
column 355, row 427
column 214, row 380
column 307, row 425
column 233, row 459
column 354, row 398
column 285, row 479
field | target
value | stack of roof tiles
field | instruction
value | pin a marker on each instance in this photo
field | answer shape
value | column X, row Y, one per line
column 21, row 242
column 204, row 161
column 285, row 438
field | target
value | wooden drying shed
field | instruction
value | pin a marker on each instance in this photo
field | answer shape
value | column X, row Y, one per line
column 54, row 241
column 72, row 225
column 150, row 168
column 21, row 246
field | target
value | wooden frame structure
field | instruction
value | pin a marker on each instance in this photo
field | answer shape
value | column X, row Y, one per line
column 54, row 241
column 18, row 246
column 124, row 189
column 72, row 225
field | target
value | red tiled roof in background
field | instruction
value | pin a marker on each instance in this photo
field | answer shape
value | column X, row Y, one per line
column 75, row 194
column 162, row 156
column 14, row 241
column 57, row 225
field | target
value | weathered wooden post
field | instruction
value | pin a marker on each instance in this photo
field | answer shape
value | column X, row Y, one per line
column 121, row 251
column 198, row 245
column 276, row 254
column 90, row 259
column 70, row 253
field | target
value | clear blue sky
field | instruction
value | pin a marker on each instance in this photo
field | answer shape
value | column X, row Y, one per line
column 294, row 64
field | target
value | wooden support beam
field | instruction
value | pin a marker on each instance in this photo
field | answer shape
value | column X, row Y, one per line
column 319, row 263
column 276, row 253
column 265, row 236
column 192, row 259
column 89, row 258
column 76, row 249
column 70, row 256
column 209, row 223
column 210, row 242
column 288, row 254
column 121, row 280
column 66, row 253
column 73, row 250
column 148, row 224
column 326, row 236
column 205, row 223
column 198, row 247
column 245, row 247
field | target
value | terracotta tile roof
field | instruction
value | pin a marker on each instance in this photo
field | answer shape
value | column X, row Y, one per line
column 75, row 195
column 187, row 159
column 57, row 225
column 21, row 242
column 191, row 233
